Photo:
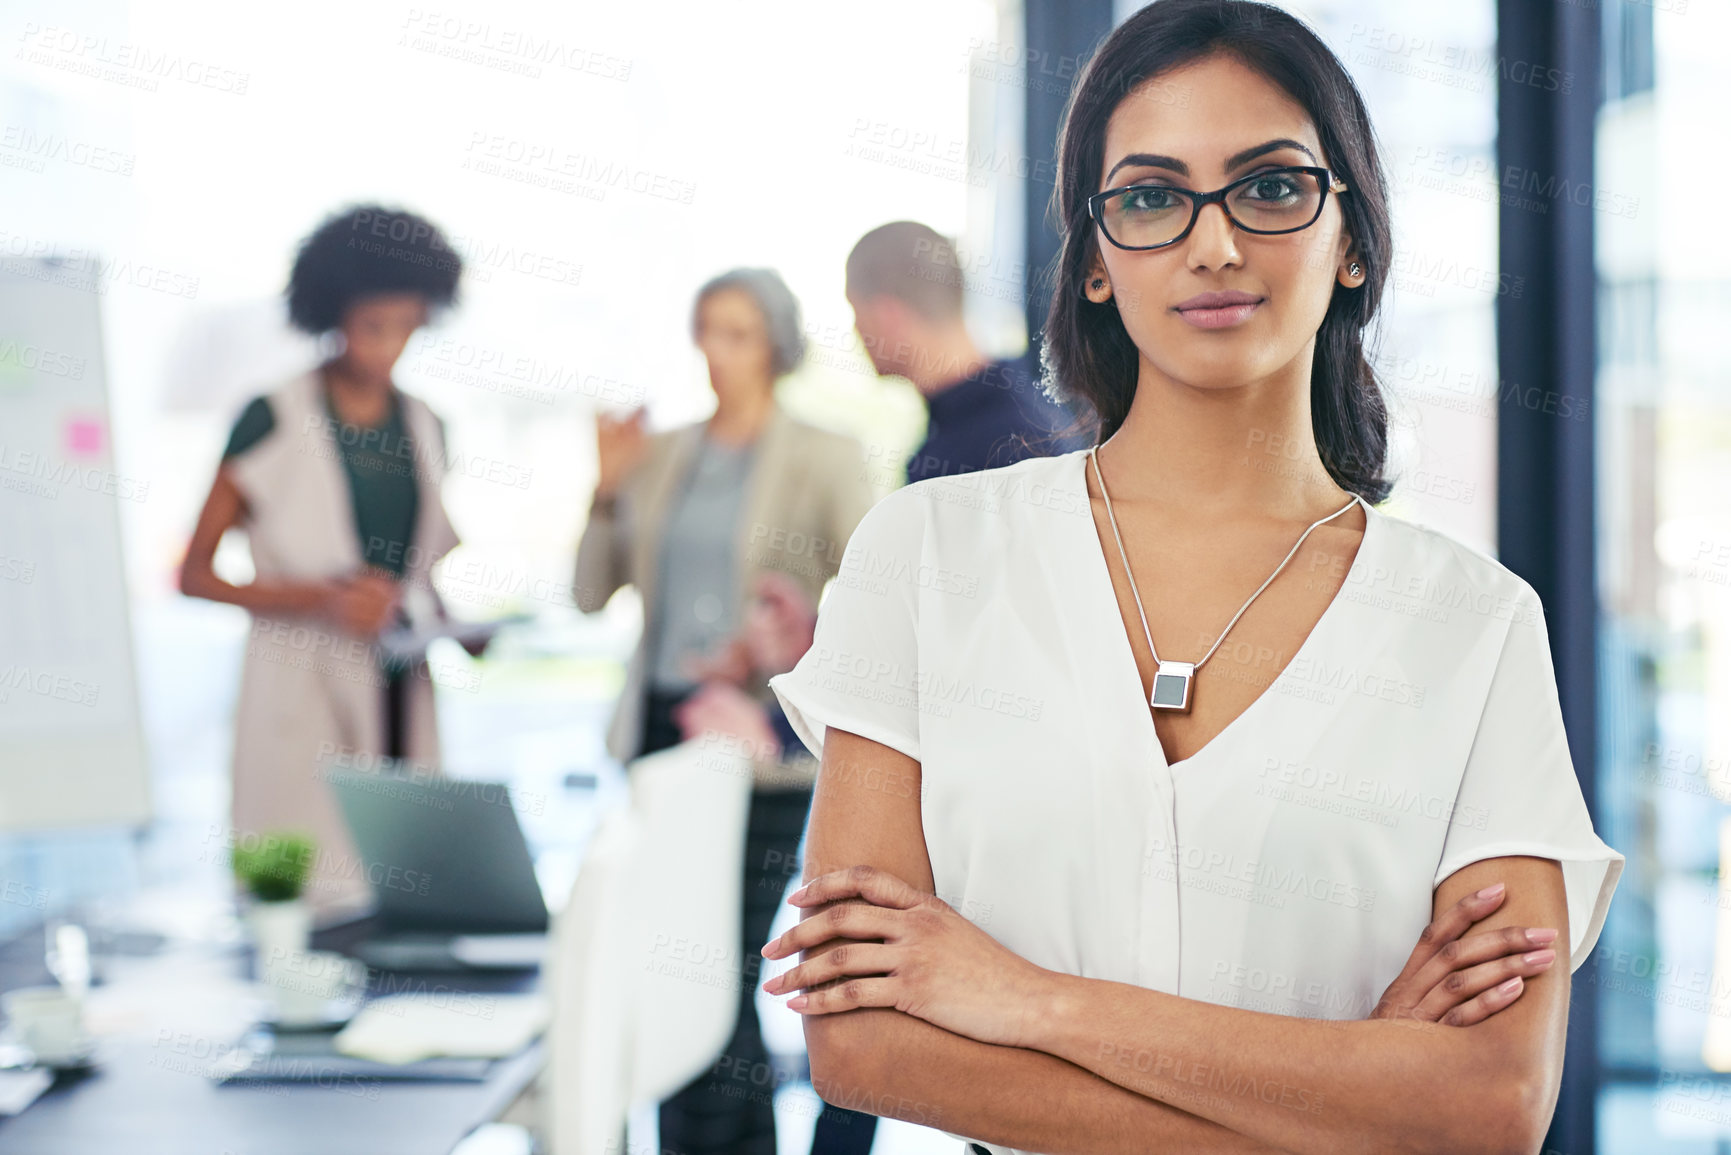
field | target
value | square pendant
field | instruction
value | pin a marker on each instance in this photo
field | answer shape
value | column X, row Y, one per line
column 1172, row 682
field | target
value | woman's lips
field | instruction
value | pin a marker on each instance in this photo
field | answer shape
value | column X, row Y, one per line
column 1218, row 310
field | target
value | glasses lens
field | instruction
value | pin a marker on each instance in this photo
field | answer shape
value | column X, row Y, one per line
column 1145, row 215
column 1273, row 202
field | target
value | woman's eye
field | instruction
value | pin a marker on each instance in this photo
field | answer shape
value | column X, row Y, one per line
column 1271, row 188
column 1148, row 199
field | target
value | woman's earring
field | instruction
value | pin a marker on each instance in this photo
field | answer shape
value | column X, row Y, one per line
column 1354, row 269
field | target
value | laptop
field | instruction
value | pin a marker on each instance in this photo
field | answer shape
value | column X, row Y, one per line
column 451, row 873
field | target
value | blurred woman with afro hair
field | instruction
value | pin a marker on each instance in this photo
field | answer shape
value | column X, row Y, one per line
column 335, row 478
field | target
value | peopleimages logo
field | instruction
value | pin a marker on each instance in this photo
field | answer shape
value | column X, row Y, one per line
column 28, row 467
column 429, row 462
column 1387, row 801
column 23, row 679
column 53, row 362
column 324, row 864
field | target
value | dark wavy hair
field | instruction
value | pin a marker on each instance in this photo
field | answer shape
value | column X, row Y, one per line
column 1088, row 358
column 363, row 251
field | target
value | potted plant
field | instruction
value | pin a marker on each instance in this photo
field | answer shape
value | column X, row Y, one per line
column 273, row 868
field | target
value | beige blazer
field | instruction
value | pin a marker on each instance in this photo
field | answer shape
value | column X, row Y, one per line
column 807, row 490
column 311, row 696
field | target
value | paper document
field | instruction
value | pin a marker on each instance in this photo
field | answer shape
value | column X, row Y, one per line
column 508, row 951
column 19, row 1089
column 405, row 642
column 404, row 1028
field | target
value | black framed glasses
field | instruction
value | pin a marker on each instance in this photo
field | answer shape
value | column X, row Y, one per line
column 1268, row 203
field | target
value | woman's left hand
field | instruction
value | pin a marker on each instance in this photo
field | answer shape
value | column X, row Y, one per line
column 910, row 950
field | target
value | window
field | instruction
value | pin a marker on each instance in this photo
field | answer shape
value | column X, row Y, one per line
column 1664, row 464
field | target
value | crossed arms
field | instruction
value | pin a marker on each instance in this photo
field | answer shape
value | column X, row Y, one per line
column 942, row 1026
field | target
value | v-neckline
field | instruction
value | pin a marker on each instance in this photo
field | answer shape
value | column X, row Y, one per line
column 1126, row 654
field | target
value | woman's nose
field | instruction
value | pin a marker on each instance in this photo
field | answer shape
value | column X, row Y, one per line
column 1213, row 242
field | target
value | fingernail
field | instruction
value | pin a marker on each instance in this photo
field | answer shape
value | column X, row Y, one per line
column 798, row 894
column 1538, row 956
column 1510, row 987
column 1490, row 891
column 796, row 1002
column 1539, row 936
column 769, row 946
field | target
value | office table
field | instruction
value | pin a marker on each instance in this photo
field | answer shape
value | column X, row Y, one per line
column 151, row 1096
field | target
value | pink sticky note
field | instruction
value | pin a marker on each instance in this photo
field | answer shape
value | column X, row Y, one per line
column 84, row 436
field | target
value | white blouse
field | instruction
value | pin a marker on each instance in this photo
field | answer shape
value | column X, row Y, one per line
column 1287, row 866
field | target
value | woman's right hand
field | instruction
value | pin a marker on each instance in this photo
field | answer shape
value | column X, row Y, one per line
column 619, row 444
column 362, row 605
column 1461, row 981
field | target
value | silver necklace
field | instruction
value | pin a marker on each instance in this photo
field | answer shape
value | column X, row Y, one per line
column 1173, row 680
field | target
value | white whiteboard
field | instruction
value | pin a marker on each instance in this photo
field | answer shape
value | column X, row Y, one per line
column 71, row 747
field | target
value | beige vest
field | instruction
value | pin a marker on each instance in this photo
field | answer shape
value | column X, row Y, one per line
column 311, row 696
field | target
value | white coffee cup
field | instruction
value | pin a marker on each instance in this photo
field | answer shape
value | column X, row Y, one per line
column 304, row 983
column 49, row 1021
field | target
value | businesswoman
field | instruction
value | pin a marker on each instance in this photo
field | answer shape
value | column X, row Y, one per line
column 1212, row 742
column 697, row 518
column 335, row 478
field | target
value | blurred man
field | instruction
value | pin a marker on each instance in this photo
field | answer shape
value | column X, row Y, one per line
column 905, row 286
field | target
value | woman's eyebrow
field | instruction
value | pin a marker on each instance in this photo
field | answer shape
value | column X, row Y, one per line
column 1155, row 160
column 1250, row 154
column 1150, row 160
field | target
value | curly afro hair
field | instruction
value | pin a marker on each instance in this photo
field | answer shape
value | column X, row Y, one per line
column 363, row 251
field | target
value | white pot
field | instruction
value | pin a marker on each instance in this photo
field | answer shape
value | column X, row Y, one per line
column 279, row 930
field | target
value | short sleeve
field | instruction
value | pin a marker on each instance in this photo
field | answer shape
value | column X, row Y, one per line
column 1519, row 794
column 861, row 673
